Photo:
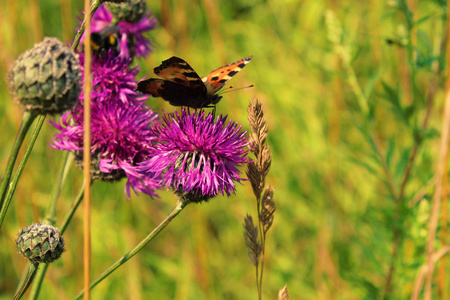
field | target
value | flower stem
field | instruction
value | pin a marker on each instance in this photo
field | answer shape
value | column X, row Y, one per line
column 61, row 178
column 179, row 206
column 94, row 6
column 26, row 280
column 5, row 198
column 50, row 217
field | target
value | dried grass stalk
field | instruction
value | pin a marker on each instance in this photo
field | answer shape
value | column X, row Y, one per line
column 283, row 294
column 255, row 179
column 251, row 240
column 258, row 134
column 257, row 123
column 268, row 208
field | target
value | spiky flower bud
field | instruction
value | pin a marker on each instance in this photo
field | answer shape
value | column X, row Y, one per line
column 46, row 78
column 131, row 11
column 40, row 243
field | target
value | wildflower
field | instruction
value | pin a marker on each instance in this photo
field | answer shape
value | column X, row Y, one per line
column 121, row 138
column 120, row 124
column 112, row 79
column 197, row 157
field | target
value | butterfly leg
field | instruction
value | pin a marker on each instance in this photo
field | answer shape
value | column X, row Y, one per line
column 214, row 111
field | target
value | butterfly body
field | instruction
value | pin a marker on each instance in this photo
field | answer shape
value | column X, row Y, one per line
column 180, row 85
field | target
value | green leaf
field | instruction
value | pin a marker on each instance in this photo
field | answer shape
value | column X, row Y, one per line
column 390, row 151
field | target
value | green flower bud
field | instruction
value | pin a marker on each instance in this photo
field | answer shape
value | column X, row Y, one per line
column 46, row 79
column 130, row 12
column 40, row 243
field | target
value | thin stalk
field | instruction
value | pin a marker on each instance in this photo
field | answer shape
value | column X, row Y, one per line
column 34, row 294
column 87, row 152
column 15, row 181
column 263, row 244
column 179, row 206
column 387, row 173
column 257, row 282
column 94, row 6
column 61, row 178
column 72, row 209
column 436, row 204
column 443, row 233
column 26, row 280
column 418, row 283
column 27, row 120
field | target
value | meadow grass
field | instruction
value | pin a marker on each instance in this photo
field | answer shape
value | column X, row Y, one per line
column 345, row 87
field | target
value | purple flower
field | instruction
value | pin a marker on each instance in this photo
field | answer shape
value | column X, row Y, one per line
column 197, row 157
column 132, row 41
column 121, row 138
column 112, row 79
column 120, row 125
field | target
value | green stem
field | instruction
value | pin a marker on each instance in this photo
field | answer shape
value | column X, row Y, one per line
column 27, row 120
column 61, row 178
column 353, row 81
column 262, row 239
column 26, row 280
column 179, row 206
column 34, row 294
column 94, row 6
column 72, row 209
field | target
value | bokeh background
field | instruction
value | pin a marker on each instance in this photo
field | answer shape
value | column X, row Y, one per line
column 345, row 87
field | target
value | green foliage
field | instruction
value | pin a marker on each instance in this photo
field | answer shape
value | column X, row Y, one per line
column 337, row 169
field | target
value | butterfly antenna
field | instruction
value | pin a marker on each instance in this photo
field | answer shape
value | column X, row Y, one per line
column 230, row 89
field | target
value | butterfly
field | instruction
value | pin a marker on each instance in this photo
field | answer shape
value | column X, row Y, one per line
column 181, row 85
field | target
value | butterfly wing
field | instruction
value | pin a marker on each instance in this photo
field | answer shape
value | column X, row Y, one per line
column 176, row 94
column 177, row 70
column 181, row 85
column 215, row 80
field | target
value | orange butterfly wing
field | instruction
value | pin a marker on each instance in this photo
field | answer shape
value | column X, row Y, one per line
column 215, row 80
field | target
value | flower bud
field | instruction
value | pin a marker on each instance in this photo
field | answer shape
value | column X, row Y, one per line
column 46, row 78
column 131, row 12
column 40, row 243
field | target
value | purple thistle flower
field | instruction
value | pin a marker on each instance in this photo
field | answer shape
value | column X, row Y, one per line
column 112, row 79
column 120, row 125
column 197, row 157
column 121, row 138
column 132, row 40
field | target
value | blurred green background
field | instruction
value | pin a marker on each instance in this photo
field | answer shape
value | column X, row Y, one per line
column 316, row 65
